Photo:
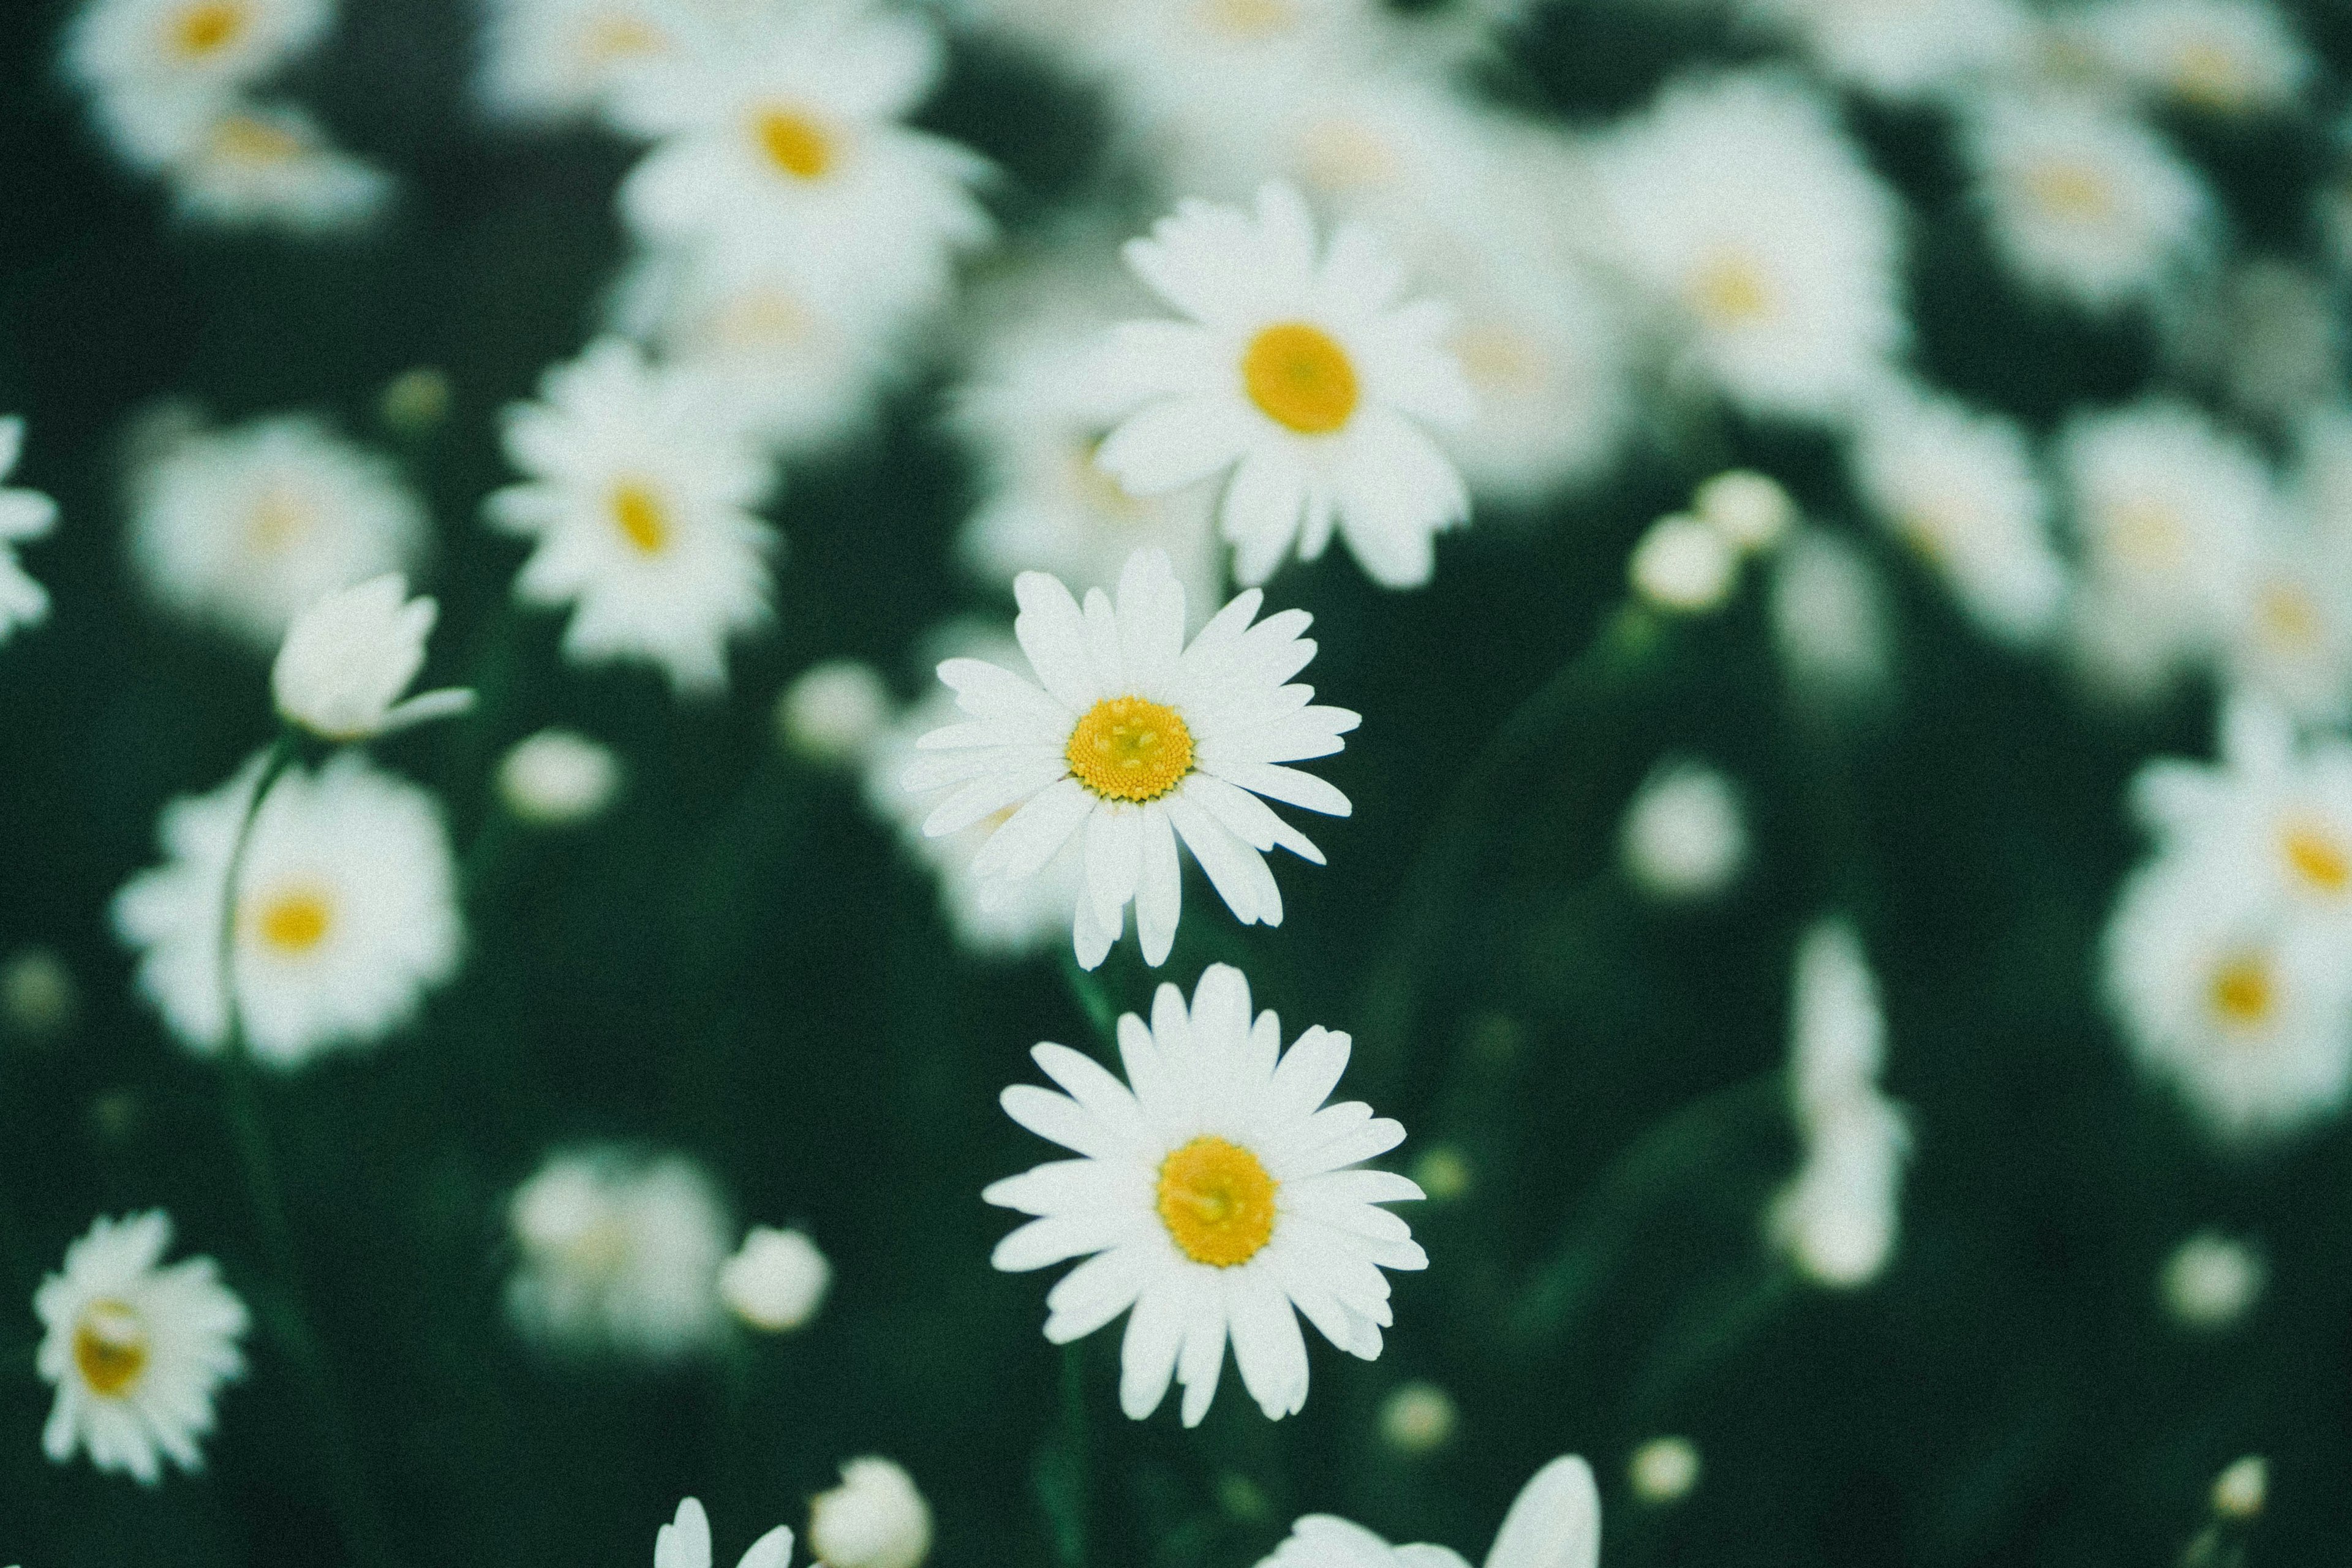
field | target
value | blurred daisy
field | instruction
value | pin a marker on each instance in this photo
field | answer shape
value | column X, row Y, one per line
column 1133, row 738
column 1177, row 63
column 155, row 48
column 347, row 912
column 1832, row 624
column 2224, row 57
column 1838, row 1217
column 136, row 1350
column 1746, row 213
column 348, row 659
column 617, row 1252
column 639, row 500
column 24, row 515
column 775, row 1280
column 242, row 529
column 250, row 163
column 559, row 778
column 685, row 1542
column 1303, row 375
column 2277, row 811
column 1958, row 487
column 2288, row 638
column 2083, row 203
column 1684, row 836
column 1900, row 49
column 1217, row 1193
column 1555, row 1522
column 874, row 1518
column 556, row 59
column 834, row 712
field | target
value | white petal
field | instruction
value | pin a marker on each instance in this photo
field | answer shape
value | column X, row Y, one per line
column 1554, row 1523
column 1053, row 633
column 1160, row 889
column 1034, row 835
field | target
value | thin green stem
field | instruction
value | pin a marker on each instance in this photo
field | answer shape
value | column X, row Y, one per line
column 1061, row 1472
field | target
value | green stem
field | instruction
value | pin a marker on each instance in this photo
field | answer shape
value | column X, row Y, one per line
column 363, row 1529
column 1061, row 1473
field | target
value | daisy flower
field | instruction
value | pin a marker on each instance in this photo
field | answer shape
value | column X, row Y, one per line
column 2288, row 638
column 188, row 47
column 242, row 529
column 1554, row 1522
column 558, row 59
column 617, row 1252
column 24, row 515
column 874, row 1518
column 247, row 163
column 1907, row 49
column 1302, row 373
column 1217, row 1193
column 639, row 500
column 1839, row 1216
column 1135, row 739
column 1684, row 837
column 347, row 912
column 685, row 1542
column 136, row 1350
column 2277, row 810
column 2224, row 57
column 775, row 1280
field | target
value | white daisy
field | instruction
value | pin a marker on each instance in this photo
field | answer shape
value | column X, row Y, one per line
column 640, row 498
column 1901, row 49
column 1768, row 246
column 2277, row 810
column 2225, row 56
column 137, row 1351
column 24, row 515
column 1137, row 739
column 685, row 1542
column 348, row 659
column 1958, row 487
column 1684, row 836
column 251, row 163
column 347, row 912
column 875, row 1518
column 1174, row 64
column 2085, row 203
column 555, row 60
column 1554, row 1522
column 242, row 529
column 188, row 47
column 559, row 778
column 1832, row 624
column 1217, row 1193
column 2288, row 638
column 1303, row 373
column 617, row 1252
column 2211, row 1281
column 775, row 1280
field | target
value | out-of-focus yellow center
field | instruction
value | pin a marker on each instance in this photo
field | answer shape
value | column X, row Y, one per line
column 1300, row 378
column 2070, row 191
column 1346, row 156
column 1730, row 291
column 2242, row 991
column 1245, row 18
column 294, row 921
column 763, row 318
column 1131, row 749
column 2289, row 618
column 794, row 143
column 242, row 139
column 2318, row 856
column 2147, row 535
column 2209, row 76
column 207, row 27
column 1499, row 360
column 640, row 516
column 612, row 37
column 279, row 519
column 1217, row 1201
column 109, row 1346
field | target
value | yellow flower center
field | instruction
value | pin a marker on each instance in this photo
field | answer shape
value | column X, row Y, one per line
column 1300, row 378
column 2318, row 856
column 242, row 139
column 203, row 29
column 1729, row 290
column 2209, row 76
column 1217, row 1202
column 640, row 516
column 766, row 318
column 617, row 37
column 794, row 143
column 1346, row 156
column 2070, row 191
column 2288, row 617
column 1130, row 748
column 1245, row 18
column 1499, row 360
column 294, row 921
column 280, row 517
column 2242, row 991
column 109, row 1346
column 2147, row 535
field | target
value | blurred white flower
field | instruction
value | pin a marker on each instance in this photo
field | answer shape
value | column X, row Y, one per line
column 1663, row 1469
column 1900, row 49
column 685, row 1542
column 2224, row 57
column 834, row 712
column 874, row 1518
column 1174, row 67
column 244, row 162
column 1684, row 835
column 1837, row 1029
column 348, row 657
column 1555, row 1522
column 2241, row 1490
column 1303, row 372
column 1751, row 510
column 347, row 912
column 559, row 778
column 639, row 501
column 1418, row 1418
column 2211, row 1281
column 243, row 529
column 1136, row 739
column 775, row 1280
column 1839, row 1218
column 1830, row 620
column 24, row 515
column 1683, row 564
column 556, row 59
column 1759, row 231
column 618, row 1252
column 1217, row 1193
column 2288, row 636
column 125, row 49
column 137, row 1351
column 2276, row 812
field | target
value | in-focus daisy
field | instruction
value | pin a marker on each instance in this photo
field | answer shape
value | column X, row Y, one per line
column 2224, row 57
column 639, row 500
column 188, row 47
column 24, row 515
column 1217, row 1193
column 2085, row 203
column 685, row 1542
column 1132, row 739
column 1301, row 370
column 136, row 1350
column 617, row 1252
column 347, row 912
column 1771, row 250
column 1555, row 1522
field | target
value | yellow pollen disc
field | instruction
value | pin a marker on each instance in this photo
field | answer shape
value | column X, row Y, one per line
column 2149, row 536
column 2318, row 856
column 280, row 517
column 640, row 516
column 1730, row 291
column 241, row 139
column 2070, row 191
column 794, row 143
column 2287, row 614
column 202, row 28
column 2209, row 76
column 294, row 922
column 1128, row 748
column 1300, row 378
column 1499, row 360
column 2242, row 991
column 1217, row 1202
column 1343, row 155
column 109, row 1346
column 611, row 38
column 761, row 319
column 1247, row 18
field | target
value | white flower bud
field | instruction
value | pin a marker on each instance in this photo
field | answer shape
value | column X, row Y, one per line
column 775, row 1280
column 347, row 658
column 1684, row 836
column 37, row 995
column 2211, row 1281
column 2240, row 1491
column 558, row 778
column 1747, row 508
column 1663, row 1469
column 874, row 1518
column 1830, row 618
column 1684, row 565
column 834, row 712
column 1417, row 1417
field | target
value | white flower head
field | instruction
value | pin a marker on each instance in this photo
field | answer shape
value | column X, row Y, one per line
column 1663, row 1469
column 1135, row 738
column 1839, row 1219
column 2275, row 810
column 1831, row 619
column 617, row 1252
column 559, row 778
column 1418, row 1418
column 2211, row 1281
column 24, row 515
column 639, row 503
column 2287, row 638
column 1900, row 49
column 347, row 659
column 346, row 912
column 775, row 1280
column 136, row 1350
column 188, row 48
column 1750, row 510
column 2223, row 57
column 1303, row 372
column 1685, row 565
column 685, row 1542
column 874, row 1518
column 251, row 163
column 1217, row 1193
column 834, row 712
column 554, row 59
column 1554, row 1522
column 1684, row 835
